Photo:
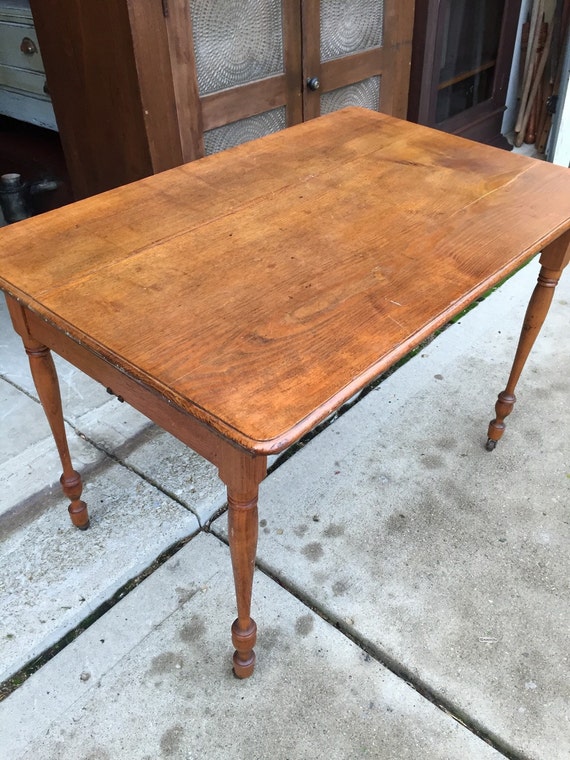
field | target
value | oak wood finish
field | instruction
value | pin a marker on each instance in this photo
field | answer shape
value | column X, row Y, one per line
column 240, row 299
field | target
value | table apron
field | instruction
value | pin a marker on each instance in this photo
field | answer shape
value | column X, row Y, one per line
column 195, row 434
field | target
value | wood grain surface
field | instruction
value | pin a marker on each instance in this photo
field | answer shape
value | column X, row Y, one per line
column 261, row 287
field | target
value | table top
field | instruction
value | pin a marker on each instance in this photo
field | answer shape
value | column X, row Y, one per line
column 261, row 287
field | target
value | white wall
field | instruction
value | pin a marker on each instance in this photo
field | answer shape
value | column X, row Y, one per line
column 558, row 148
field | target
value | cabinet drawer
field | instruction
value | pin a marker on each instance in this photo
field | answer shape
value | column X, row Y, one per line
column 33, row 82
column 19, row 47
column 23, row 91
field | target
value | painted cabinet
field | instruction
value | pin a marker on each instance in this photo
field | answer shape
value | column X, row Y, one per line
column 23, row 89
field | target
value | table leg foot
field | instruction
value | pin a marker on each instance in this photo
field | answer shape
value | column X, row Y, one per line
column 72, row 488
column 503, row 407
column 244, row 641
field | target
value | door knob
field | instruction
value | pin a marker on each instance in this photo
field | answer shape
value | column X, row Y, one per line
column 313, row 83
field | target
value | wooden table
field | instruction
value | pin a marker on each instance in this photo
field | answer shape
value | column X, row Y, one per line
column 238, row 300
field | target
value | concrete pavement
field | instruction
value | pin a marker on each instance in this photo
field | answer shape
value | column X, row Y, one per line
column 394, row 550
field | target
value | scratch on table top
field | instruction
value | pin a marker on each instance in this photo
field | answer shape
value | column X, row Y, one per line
column 493, row 190
column 396, row 321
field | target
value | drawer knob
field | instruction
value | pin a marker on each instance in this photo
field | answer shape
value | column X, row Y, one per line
column 313, row 83
column 28, row 46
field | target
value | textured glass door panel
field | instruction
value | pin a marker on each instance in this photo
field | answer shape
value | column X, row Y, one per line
column 350, row 26
column 244, row 130
column 348, row 47
column 253, row 61
column 365, row 94
column 236, row 41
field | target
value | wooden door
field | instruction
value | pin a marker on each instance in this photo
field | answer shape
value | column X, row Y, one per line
column 262, row 65
column 356, row 52
column 245, row 81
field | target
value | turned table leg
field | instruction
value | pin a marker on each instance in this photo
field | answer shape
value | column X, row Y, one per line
column 553, row 260
column 47, row 385
column 242, row 474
